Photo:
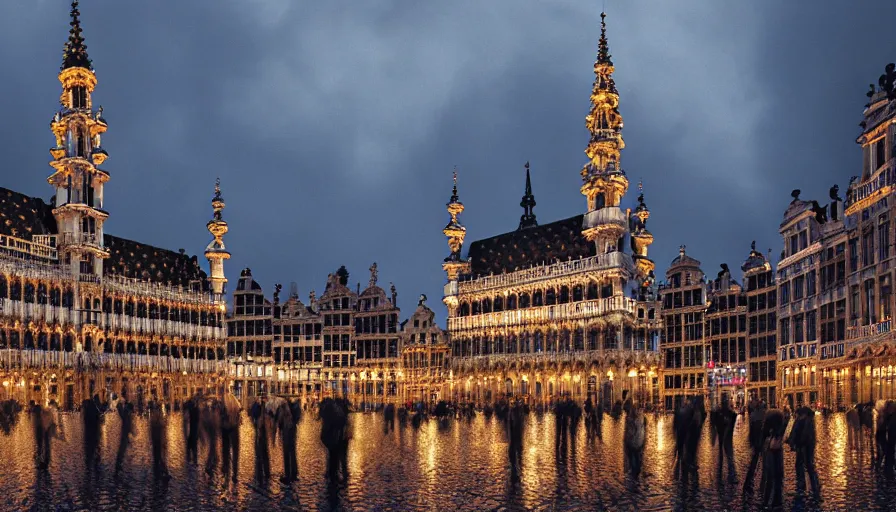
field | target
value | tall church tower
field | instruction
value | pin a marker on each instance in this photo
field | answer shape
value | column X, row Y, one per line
column 215, row 252
column 77, row 178
column 604, row 182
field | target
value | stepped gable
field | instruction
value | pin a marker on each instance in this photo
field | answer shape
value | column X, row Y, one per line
column 22, row 216
column 140, row 261
column 561, row 240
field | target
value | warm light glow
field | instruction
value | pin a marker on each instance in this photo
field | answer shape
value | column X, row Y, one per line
column 633, row 373
column 5, row 383
column 868, row 371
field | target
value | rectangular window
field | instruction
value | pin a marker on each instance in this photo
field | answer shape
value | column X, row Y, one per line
column 810, row 283
column 880, row 153
column 804, row 240
column 853, row 254
column 811, row 326
column 798, row 329
column 869, row 312
column 798, row 287
column 883, row 241
column 794, row 245
column 785, row 293
column 868, row 248
column 785, row 331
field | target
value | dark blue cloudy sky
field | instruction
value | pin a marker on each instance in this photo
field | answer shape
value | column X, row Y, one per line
column 334, row 126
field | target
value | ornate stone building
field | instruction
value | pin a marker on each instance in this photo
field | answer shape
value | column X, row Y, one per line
column 762, row 332
column 84, row 312
column 544, row 310
column 348, row 343
column 719, row 336
column 682, row 301
column 250, row 339
column 425, row 356
column 298, row 346
column 858, row 351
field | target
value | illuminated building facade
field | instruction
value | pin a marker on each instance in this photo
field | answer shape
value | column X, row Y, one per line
column 425, row 356
column 858, row 351
column 347, row 343
column 298, row 346
column 762, row 332
column 725, row 335
column 719, row 336
column 682, row 300
column 543, row 311
column 84, row 312
column 250, row 338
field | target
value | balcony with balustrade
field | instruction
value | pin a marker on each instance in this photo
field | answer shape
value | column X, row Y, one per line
column 583, row 310
column 600, row 262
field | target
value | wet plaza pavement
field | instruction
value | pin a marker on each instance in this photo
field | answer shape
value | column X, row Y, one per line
column 459, row 467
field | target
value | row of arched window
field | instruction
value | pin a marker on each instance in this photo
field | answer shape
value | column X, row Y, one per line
column 65, row 342
column 552, row 341
column 63, row 296
column 548, row 297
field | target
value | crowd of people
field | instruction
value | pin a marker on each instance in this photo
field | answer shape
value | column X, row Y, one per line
column 214, row 424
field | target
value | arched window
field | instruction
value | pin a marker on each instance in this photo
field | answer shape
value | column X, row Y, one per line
column 68, row 343
column 29, row 293
column 42, row 341
column 29, row 340
column 524, row 300
column 41, row 293
column 537, row 299
column 464, row 309
column 486, row 305
column 550, row 297
column 55, row 341
column 511, row 302
column 539, row 342
column 578, row 293
column 592, row 291
column 15, row 289
column 579, row 342
column 4, row 287
column 499, row 304
column 593, row 336
column 564, row 294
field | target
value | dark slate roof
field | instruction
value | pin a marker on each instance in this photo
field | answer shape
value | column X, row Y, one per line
column 561, row 240
column 132, row 259
column 22, row 216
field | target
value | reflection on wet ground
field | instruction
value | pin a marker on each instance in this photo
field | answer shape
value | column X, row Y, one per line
column 461, row 466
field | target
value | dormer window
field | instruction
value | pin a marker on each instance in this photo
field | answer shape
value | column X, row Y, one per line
column 79, row 97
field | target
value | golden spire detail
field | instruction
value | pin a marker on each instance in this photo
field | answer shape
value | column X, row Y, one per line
column 455, row 231
column 604, row 123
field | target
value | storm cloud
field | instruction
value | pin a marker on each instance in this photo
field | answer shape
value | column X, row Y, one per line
column 335, row 126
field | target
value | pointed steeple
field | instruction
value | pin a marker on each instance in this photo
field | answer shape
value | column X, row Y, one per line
column 602, row 175
column 216, row 252
column 527, row 220
column 455, row 232
column 603, row 52
column 74, row 54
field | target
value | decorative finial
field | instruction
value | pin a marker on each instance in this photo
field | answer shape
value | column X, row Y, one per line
column 603, row 54
column 373, row 275
column 527, row 220
column 422, row 300
column 681, row 249
column 74, row 54
column 454, row 196
column 753, row 246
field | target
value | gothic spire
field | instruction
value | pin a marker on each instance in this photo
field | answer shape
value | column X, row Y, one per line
column 527, row 220
column 74, row 54
column 603, row 53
